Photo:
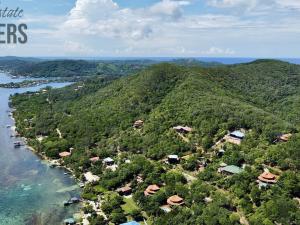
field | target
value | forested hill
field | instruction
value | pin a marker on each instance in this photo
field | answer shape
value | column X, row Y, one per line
column 37, row 67
column 34, row 67
column 96, row 117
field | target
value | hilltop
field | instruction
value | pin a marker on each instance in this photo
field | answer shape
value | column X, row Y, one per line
column 95, row 118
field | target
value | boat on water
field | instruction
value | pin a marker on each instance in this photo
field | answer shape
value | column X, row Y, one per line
column 8, row 126
column 71, row 201
column 17, row 144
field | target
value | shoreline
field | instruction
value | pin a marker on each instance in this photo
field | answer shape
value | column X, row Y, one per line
column 52, row 163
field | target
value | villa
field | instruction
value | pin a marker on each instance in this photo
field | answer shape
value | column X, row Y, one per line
column 138, row 124
column 64, row 154
column 173, row 159
column 235, row 137
column 284, row 137
column 181, row 129
column 127, row 190
column 175, row 200
column 94, row 159
column 266, row 179
column 229, row 170
column 108, row 161
column 151, row 190
column 90, row 178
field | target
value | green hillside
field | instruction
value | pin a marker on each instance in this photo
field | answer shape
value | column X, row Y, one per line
column 34, row 67
column 96, row 119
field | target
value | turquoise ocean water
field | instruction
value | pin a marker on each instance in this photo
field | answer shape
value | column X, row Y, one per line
column 31, row 193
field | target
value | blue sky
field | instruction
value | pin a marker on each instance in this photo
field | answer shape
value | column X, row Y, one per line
column 187, row 28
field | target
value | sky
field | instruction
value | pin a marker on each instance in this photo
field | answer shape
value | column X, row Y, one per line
column 157, row 28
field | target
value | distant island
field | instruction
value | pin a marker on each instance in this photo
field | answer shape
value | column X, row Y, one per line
column 23, row 84
column 172, row 143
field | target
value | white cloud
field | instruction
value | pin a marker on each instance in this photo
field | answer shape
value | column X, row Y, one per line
column 233, row 3
column 93, row 9
column 289, row 4
column 215, row 51
column 166, row 28
column 268, row 6
column 106, row 19
column 168, row 8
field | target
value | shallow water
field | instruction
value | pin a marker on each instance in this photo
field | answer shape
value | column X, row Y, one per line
column 30, row 191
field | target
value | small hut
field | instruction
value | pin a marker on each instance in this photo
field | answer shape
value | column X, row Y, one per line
column 64, row 154
column 182, row 129
column 235, row 137
column 267, row 177
column 284, row 137
column 175, row 200
column 151, row 190
column 125, row 191
column 173, row 159
column 94, row 159
column 108, row 161
column 138, row 124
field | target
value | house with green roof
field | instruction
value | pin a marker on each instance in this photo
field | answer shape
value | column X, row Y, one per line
column 230, row 169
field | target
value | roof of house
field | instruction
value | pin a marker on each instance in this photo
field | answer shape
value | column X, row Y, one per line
column 94, row 159
column 108, row 159
column 173, row 156
column 64, row 154
column 139, row 121
column 90, row 177
column 153, row 187
column 165, row 208
column 285, row 137
column 125, row 189
column 223, row 164
column 130, row 223
column 267, row 177
column 238, row 133
column 187, row 129
column 231, row 169
column 175, row 199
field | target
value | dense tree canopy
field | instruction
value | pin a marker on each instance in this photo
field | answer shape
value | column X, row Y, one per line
column 97, row 120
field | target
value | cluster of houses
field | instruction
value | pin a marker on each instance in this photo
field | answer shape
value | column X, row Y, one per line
column 236, row 137
column 264, row 180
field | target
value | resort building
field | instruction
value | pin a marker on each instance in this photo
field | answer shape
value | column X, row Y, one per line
column 265, row 179
column 175, row 200
column 108, row 161
column 138, row 124
column 173, row 159
column 284, row 137
column 181, row 129
column 151, row 190
column 94, row 159
column 90, row 178
column 64, row 154
column 235, row 137
column 127, row 190
column 229, row 170
column 166, row 208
